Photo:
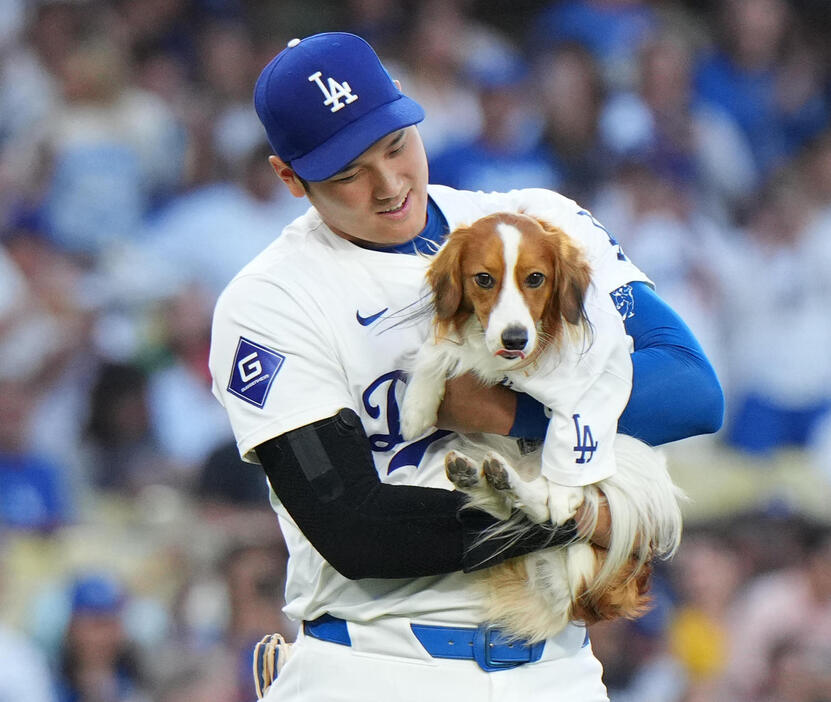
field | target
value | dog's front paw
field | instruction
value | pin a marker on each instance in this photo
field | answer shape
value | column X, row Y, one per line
column 419, row 413
column 461, row 470
column 496, row 471
column 563, row 502
column 414, row 425
column 530, row 497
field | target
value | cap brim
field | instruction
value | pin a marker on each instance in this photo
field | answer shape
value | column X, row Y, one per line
column 350, row 142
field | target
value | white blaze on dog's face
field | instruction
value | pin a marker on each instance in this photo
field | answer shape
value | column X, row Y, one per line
column 508, row 277
column 521, row 278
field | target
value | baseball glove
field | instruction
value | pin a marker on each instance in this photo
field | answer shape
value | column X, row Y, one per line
column 270, row 655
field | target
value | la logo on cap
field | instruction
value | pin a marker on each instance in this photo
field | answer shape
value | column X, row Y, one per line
column 335, row 92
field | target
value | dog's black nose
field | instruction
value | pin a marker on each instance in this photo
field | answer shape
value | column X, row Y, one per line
column 515, row 338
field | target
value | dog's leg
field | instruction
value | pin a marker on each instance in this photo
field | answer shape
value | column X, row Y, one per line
column 531, row 496
column 563, row 501
column 425, row 390
column 466, row 474
column 540, row 499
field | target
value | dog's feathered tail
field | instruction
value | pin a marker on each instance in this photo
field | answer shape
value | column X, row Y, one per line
column 536, row 596
column 645, row 511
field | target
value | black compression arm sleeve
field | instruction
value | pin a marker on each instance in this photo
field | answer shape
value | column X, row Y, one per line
column 324, row 475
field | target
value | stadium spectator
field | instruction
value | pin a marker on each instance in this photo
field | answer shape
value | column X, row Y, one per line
column 797, row 672
column 782, row 390
column 98, row 662
column 114, row 149
column 184, row 416
column 24, row 669
column 255, row 579
column 507, row 153
column 122, row 453
column 637, row 660
column 767, row 78
column 775, row 609
column 188, row 240
column 34, row 495
column 571, row 94
column 676, row 131
column 612, row 30
column 431, row 72
column 228, row 64
column 706, row 575
column 225, row 479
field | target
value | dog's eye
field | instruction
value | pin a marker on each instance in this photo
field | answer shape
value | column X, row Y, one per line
column 484, row 280
column 535, row 280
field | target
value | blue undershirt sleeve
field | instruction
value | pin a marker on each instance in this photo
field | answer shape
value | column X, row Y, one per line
column 675, row 391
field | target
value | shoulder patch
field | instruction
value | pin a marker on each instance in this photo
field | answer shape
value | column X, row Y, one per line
column 624, row 301
column 254, row 369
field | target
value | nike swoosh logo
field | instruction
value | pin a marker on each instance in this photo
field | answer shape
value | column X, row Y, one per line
column 366, row 321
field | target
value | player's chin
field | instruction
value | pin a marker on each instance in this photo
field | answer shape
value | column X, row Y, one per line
column 399, row 231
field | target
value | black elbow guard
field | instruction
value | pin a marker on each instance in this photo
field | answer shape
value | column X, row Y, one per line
column 488, row 542
column 325, row 477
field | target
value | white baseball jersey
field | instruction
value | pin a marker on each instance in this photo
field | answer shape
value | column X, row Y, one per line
column 585, row 386
column 315, row 324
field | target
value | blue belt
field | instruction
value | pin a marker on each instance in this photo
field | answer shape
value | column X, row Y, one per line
column 485, row 644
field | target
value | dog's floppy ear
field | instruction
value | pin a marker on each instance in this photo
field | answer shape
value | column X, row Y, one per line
column 626, row 595
column 445, row 277
column 572, row 277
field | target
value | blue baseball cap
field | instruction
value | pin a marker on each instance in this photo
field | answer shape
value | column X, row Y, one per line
column 96, row 593
column 326, row 99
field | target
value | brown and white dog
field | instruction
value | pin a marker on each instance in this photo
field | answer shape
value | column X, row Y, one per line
column 507, row 291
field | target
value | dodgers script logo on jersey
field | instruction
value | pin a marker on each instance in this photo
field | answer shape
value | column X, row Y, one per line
column 335, row 92
column 380, row 398
column 255, row 367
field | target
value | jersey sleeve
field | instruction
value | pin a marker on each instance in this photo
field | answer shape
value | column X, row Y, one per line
column 273, row 361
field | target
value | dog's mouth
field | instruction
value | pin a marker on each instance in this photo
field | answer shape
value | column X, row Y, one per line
column 510, row 355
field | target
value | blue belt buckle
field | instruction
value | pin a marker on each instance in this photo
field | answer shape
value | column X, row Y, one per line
column 485, row 643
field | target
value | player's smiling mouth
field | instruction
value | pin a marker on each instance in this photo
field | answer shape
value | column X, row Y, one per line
column 397, row 207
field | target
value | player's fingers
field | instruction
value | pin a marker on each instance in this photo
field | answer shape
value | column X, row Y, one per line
column 600, row 532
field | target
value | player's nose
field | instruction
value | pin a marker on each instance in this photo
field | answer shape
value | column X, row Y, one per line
column 386, row 183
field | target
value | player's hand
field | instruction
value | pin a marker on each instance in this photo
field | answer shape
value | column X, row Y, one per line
column 602, row 533
column 471, row 406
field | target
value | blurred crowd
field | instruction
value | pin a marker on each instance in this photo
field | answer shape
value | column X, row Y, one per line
column 139, row 559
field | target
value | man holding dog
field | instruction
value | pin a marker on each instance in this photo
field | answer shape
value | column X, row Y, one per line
column 310, row 342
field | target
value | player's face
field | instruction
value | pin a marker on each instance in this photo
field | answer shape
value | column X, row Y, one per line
column 381, row 197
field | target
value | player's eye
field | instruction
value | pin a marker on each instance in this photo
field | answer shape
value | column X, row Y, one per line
column 534, row 280
column 398, row 144
column 484, row 280
column 347, row 178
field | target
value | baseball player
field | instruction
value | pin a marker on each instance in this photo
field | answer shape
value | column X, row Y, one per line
column 308, row 349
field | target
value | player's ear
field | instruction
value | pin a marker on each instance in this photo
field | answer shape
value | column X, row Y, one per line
column 288, row 176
